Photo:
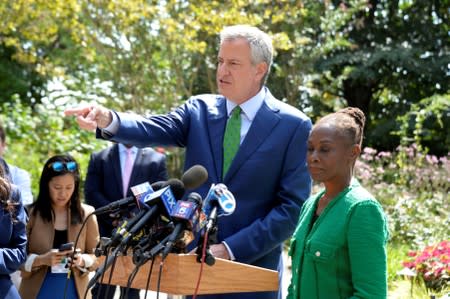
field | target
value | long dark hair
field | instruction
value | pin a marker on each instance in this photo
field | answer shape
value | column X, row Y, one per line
column 43, row 203
column 6, row 202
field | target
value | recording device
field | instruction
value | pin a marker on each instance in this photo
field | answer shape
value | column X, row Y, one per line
column 66, row 246
column 183, row 215
column 162, row 201
column 218, row 202
column 193, row 178
column 157, row 209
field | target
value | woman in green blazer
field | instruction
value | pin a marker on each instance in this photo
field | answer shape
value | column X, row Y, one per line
column 338, row 249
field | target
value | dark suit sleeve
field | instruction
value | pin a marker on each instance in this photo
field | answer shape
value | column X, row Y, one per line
column 15, row 254
column 264, row 234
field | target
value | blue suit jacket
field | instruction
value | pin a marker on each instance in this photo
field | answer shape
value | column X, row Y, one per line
column 13, row 240
column 104, row 178
column 268, row 175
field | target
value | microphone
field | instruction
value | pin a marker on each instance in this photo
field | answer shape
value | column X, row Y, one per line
column 163, row 200
column 139, row 193
column 194, row 177
column 218, row 202
column 185, row 214
column 142, row 190
column 115, row 205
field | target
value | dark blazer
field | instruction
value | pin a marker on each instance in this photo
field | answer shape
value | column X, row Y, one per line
column 268, row 175
column 103, row 183
column 13, row 241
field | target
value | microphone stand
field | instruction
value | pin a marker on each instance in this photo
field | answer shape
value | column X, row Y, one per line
column 211, row 236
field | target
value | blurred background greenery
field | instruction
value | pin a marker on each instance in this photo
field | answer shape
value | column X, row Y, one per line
column 388, row 57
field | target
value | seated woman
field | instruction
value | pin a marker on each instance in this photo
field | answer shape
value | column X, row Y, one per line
column 338, row 249
column 12, row 237
column 55, row 219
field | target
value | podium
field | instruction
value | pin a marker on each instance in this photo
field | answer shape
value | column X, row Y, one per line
column 180, row 274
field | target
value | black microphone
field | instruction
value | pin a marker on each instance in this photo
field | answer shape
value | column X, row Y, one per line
column 141, row 190
column 127, row 201
column 194, row 177
column 163, row 200
column 176, row 186
column 184, row 215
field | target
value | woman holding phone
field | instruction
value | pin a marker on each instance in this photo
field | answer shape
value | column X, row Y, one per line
column 13, row 235
column 55, row 220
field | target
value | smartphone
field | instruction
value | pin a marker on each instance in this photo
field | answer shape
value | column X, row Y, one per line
column 66, row 246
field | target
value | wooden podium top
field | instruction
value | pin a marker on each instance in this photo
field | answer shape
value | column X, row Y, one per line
column 180, row 274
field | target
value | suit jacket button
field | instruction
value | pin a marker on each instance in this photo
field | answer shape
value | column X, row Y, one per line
column 317, row 253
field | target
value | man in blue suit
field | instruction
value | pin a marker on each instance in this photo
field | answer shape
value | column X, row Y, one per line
column 268, row 175
column 104, row 184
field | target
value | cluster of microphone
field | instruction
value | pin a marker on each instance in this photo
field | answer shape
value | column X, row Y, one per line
column 166, row 218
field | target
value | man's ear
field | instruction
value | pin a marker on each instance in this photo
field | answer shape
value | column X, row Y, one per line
column 261, row 70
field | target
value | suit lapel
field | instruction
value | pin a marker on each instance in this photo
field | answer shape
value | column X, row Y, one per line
column 265, row 120
column 217, row 116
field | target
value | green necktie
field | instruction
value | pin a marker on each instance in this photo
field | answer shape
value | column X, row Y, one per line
column 231, row 139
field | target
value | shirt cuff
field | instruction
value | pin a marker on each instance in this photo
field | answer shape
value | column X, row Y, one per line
column 230, row 253
column 113, row 126
column 29, row 262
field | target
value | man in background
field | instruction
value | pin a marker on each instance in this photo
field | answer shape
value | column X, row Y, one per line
column 111, row 173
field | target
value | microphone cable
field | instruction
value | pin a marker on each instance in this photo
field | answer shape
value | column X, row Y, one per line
column 72, row 256
column 161, row 264
column 116, row 254
column 131, row 277
column 101, row 285
column 202, row 263
column 147, row 285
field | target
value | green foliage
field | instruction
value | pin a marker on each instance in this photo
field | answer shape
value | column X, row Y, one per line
column 18, row 78
column 395, row 253
column 413, row 189
column 389, row 58
column 426, row 124
column 33, row 136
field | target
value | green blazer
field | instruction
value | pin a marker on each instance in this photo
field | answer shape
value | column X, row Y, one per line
column 342, row 254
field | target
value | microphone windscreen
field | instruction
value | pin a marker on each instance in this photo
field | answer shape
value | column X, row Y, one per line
column 177, row 188
column 195, row 198
column 194, row 177
column 159, row 185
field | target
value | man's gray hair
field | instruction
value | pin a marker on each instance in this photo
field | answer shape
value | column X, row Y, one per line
column 260, row 43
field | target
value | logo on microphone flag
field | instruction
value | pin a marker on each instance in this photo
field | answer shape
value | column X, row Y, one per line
column 184, row 210
column 141, row 192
